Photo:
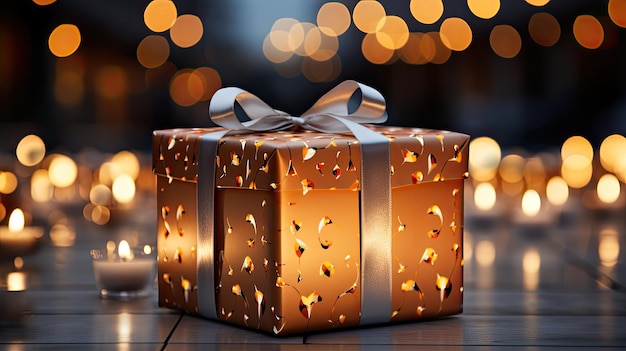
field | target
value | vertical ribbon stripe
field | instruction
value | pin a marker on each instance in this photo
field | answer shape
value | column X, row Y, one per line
column 375, row 202
column 205, row 199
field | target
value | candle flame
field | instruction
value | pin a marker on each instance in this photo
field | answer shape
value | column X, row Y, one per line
column 16, row 221
column 124, row 252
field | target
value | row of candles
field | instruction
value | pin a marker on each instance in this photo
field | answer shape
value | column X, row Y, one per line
column 42, row 195
column 540, row 188
column 525, row 190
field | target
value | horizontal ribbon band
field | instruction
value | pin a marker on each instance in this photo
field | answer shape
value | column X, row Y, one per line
column 332, row 113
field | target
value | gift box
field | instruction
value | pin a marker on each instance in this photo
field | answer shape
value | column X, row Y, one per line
column 290, row 225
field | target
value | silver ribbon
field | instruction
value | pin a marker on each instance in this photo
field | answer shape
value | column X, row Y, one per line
column 330, row 114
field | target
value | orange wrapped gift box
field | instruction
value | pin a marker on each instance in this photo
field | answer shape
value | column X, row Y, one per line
column 291, row 225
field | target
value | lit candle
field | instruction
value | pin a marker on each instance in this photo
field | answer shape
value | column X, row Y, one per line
column 485, row 206
column 124, row 275
column 606, row 197
column 17, row 239
column 534, row 211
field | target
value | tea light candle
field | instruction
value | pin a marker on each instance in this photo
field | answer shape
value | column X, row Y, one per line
column 17, row 239
column 123, row 276
column 534, row 213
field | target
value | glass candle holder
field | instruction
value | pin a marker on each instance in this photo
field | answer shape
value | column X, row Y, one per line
column 126, row 275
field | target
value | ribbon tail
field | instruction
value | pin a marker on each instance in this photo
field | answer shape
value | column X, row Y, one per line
column 205, row 198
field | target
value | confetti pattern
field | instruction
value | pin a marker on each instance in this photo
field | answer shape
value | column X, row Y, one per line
column 287, row 226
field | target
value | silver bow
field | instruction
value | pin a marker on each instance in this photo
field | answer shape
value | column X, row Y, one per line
column 330, row 114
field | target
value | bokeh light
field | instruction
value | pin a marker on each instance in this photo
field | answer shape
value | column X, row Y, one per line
column 62, row 171
column 617, row 12
column 613, row 153
column 44, row 2
column 8, row 182
column 535, row 173
column 588, row 31
column 426, row 11
column 30, row 150
column 557, row 191
column 373, row 51
column 126, row 163
column 608, row 247
column 456, row 34
column 505, row 41
column 484, row 158
column 608, row 188
column 440, row 52
column 101, row 195
column 211, row 81
column 186, row 31
column 320, row 46
column 577, row 145
column 123, row 188
column 418, row 50
column 484, row 9
column 64, row 40
column 531, row 263
column 512, row 168
column 485, row 253
column 577, row 171
column 160, row 15
column 392, row 32
column 279, row 34
column 544, row 29
column 531, row 203
column 485, row 196
column 41, row 189
column 297, row 35
column 538, row 2
column 333, row 18
column 153, row 51
column 367, row 14
column 186, row 88
column 273, row 53
column 62, row 235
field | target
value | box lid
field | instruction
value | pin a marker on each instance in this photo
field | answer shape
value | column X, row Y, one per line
column 310, row 160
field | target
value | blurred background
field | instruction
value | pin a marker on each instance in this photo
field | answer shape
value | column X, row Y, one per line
column 105, row 74
column 539, row 85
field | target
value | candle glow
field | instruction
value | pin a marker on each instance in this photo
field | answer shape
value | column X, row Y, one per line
column 16, row 221
column 531, row 203
column 123, row 250
column 608, row 188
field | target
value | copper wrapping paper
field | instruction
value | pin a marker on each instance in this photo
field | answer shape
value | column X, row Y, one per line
column 287, row 231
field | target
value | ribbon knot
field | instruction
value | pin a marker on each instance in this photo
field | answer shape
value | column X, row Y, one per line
column 298, row 122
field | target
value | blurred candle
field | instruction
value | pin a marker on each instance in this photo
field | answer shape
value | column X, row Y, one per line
column 17, row 239
column 123, row 276
column 534, row 211
column 607, row 195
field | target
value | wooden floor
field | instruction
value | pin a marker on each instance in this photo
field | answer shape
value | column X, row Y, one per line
column 526, row 288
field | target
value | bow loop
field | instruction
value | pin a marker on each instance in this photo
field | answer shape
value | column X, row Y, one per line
column 348, row 101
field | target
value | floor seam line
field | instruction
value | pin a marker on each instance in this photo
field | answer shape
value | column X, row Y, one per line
column 167, row 339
